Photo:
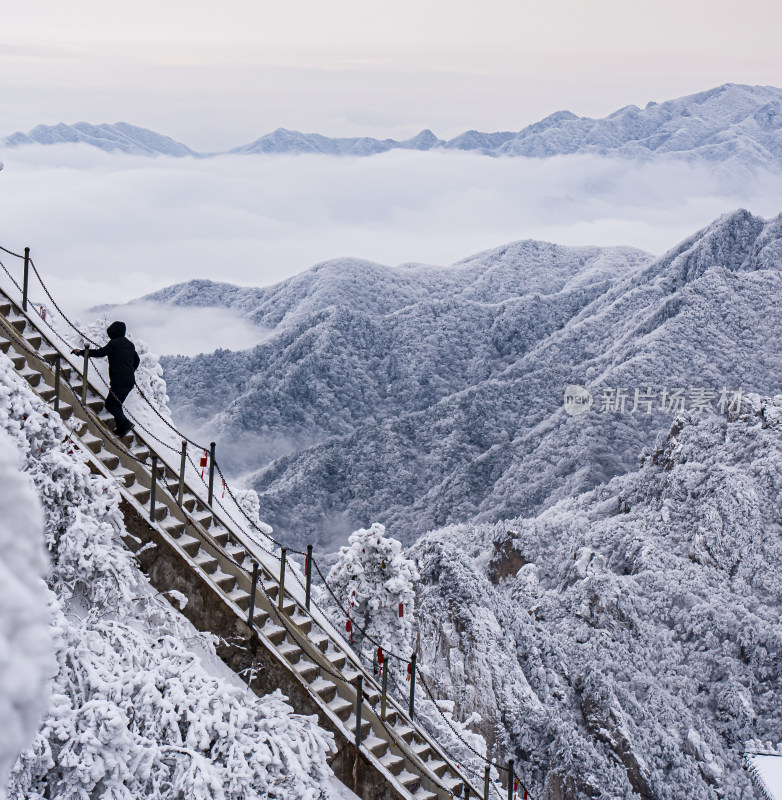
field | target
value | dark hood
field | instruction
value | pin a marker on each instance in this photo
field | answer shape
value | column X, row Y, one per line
column 116, row 330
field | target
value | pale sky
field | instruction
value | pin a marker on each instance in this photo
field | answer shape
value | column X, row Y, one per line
column 217, row 76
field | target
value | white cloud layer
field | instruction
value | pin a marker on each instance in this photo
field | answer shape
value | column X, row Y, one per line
column 107, row 229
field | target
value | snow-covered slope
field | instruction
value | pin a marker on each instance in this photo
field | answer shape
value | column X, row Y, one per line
column 26, row 647
column 139, row 705
column 626, row 642
column 117, row 138
column 421, row 396
column 732, row 124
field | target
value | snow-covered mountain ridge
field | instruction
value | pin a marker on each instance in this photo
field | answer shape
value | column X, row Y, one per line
column 732, row 123
column 625, row 642
column 420, row 396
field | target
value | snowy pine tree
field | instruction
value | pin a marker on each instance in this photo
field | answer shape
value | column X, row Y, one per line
column 375, row 585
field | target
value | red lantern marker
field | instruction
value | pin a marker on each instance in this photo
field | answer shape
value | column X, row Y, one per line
column 203, row 464
column 401, row 609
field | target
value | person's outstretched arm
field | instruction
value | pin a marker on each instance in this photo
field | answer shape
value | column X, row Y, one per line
column 100, row 352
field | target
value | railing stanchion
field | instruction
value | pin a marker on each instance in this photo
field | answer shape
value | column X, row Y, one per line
column 84, row 371
column 26, row 277
column 384, row 689
column 153, row 488
column 510, row 779
column 182, row 463
column 412, row 686
column 211, row 472
column 308, row 574
column 281, row 594
column 466, row 791
column 57, row 358
column 486, row 777
column 359, row 699
column 253, row 590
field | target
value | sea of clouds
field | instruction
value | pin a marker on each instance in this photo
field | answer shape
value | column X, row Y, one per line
column 105, row 229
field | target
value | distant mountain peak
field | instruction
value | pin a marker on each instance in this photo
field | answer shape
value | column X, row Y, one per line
column 732, row 123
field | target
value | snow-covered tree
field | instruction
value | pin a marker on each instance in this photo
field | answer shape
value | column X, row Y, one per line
column 375, row 584
column 26, row 646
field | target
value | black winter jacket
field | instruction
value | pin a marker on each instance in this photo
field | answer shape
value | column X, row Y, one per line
column 122, row 355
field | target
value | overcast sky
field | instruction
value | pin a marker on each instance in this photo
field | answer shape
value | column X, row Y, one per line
column 218, row 75
column 109, row 228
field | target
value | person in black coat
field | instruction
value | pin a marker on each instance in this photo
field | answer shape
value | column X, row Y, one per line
column 123, row 363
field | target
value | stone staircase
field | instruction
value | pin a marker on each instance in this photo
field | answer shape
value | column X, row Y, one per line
column 197, row 550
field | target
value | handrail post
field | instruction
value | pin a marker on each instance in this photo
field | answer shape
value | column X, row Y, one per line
column 57, row 358
column 384, row 688
column 84, row 370
column 510, row 779
column 359, row 699
column 253, row 590
column 466, row 791
column 182, row 463
column 308, row 575
column 486, row 776
column 280, row 595
column 152, row 488
column 412, row 685
column 211, row 472
column 26, row 278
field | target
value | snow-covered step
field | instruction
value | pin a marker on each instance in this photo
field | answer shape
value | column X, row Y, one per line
column 307, row 669
column 438, row 767
column 409, row 780
column 140, row 453
column 225, row 581
column 189, row 544
column 17, row 322
column 33, row 377
column 110, row 460
column 237, row 554
column 174, row 527
column 453, row 783
column 405, row 732
column 424, row 794
column 300, row 621
column 5, row 345
column 342, row 708
column 421, row 749
column 92, row 442
column 325, row 689
column 366, row 726
column 125, row 476
column 320, row 640
column 392, row 761
column 377, row 746
column 34, row 340
column 140, row 493
column 203, row 518
column 274, row 633
column 206, row 562
column 292, row 652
